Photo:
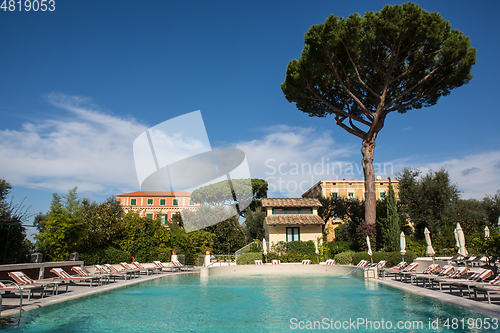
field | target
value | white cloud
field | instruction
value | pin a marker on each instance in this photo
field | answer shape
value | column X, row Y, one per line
column 475, row 175
column 93, row 150
column 292, row 159
column 90, row 149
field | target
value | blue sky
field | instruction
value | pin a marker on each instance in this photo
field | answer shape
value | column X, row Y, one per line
column 79, row 84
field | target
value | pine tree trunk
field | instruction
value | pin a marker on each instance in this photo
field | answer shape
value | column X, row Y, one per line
column 367, row 150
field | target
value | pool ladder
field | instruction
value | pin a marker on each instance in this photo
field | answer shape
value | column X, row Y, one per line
column 20, row 296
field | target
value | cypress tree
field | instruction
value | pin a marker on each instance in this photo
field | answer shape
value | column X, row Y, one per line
column 392, row 220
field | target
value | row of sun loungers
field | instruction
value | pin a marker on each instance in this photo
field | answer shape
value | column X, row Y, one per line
column 449, row 278
column 104, row 274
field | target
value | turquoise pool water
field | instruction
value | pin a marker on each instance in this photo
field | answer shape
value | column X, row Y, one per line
column 188, row 303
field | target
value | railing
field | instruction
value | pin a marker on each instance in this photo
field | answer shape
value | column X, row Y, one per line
column 218, row 260
column 246, row 248
column 20, row 295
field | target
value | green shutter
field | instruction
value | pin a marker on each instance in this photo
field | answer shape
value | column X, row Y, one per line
column 162, row 202
column 176, row 202
column 133, row 202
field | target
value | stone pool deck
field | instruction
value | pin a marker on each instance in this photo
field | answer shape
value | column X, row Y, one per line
column 10, row 302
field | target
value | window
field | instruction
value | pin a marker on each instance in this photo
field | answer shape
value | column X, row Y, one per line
column 150, row 216
column 191, row 202
column 292, row 211
column 278, row 211
column 350, row 184
column 305, row 210
column 150, row 202
column 164, row 218
column 382, row 194
column 162, row 202
column 335, row 194
column 175, row 202
column 292, row 234
column 350, row 195
column 133, row 202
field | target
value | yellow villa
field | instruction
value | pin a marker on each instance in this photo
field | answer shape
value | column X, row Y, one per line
column 354, row 189
column 349, row 189
column 292, row 219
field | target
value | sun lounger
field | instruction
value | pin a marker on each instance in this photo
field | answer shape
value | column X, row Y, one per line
column 103, row 271
column 426, row 278
column 148, row 270
column 22, row 279
column 406, row 272
column 306, row 262
column 490, row 288
column 276, row 262
column 473, row 281
column 161, row 266
column 83, row 273
column 440, row 281
column 127, row 273
column 29, row 288
column 64, row 276
column 386, row 272
column 330, row 262
column 362, row 263
column 182, row 267
column 129, row 268
column 257, row 262
column 429, row 270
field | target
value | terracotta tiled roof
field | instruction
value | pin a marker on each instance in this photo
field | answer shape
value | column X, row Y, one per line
column 155, row 194
column 294, row 219
column 290, row 202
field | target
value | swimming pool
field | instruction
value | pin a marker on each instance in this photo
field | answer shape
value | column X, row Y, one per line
column 188, row 303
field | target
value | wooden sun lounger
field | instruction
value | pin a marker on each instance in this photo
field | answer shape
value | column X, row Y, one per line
column 83, row 273
column 487, row 291
column 127, row 273
column 24, row 280
column 29, row 288
column 426, row 278
column 148, row 270
column 406, row 272
column 103, row 271
column 161, row 266
column 387, row 272
column 64, row 276
column 474, row 281
column 445, row 280
column 181, row 266
column 129, row 268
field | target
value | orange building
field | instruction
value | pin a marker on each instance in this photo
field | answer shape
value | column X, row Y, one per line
column 152, row 204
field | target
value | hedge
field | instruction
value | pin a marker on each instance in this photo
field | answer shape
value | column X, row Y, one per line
column 393, row 258
column 248, row 258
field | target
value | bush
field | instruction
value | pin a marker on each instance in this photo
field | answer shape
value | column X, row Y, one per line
column 295, row 251
column 344, row 258
column 248, row 258
column 393, row 258
column 336, row 247
column 109, row 255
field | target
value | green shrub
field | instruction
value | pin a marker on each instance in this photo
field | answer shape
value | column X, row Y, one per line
column 344, row 258
column 295, row 251
column 337, row 247
column 109, row 255
column 255, row 247
column 248, row 258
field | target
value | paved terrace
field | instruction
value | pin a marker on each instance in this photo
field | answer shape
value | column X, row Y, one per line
column 10, row 305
